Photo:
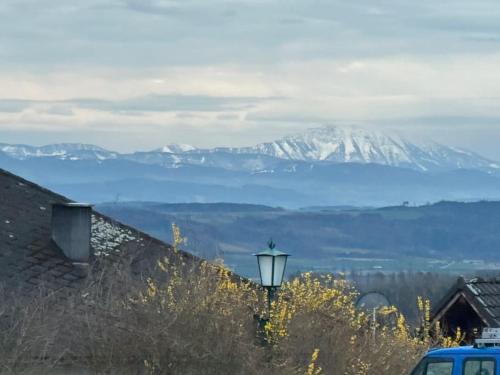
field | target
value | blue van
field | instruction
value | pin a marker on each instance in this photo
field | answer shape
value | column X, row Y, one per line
column 465, row 360
column 481, row 359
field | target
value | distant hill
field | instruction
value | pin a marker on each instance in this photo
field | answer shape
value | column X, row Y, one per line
column 291, row 184
column 447, row 236
column 209, row 208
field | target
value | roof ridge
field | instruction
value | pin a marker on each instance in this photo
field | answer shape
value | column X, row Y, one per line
column 482, row 280
column 66, row 199
column 106, row 217
column 33, row 184
column 150, row 239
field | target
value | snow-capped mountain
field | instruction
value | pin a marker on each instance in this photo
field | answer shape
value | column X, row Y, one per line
column 358, row 145
column 319, row 145
column 67, row 151
column 324, row 166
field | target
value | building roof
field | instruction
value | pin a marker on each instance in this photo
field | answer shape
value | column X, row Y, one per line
column 28, row 256
column 482, row 294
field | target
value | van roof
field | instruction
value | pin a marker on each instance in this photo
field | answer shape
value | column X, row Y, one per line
column 463, row 350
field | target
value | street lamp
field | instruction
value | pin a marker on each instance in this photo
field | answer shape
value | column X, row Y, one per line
column 272, row 264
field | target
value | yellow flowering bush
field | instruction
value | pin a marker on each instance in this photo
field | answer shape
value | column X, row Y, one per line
column 196, row 317
column 313, row 369
column 309, row 314
column 318, row 314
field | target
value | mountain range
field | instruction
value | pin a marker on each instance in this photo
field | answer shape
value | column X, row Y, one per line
column 64, row 151
column 358, row 145
column 322, row 166
column 329, row 143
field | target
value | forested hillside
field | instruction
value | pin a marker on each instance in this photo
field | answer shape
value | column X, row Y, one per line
column 446, row 236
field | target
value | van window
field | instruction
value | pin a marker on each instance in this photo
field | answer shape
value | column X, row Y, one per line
column 479, row 366
column 434, row 366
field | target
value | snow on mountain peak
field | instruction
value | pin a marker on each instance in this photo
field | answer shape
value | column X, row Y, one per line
column 345, row 144
column 73, row 151
column 351, row 144
column 175, row 148
column 361, row 145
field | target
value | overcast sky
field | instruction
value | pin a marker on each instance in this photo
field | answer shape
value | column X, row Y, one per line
column 138, row 74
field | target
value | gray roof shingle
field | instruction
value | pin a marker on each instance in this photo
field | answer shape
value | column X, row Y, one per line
column 487, row 294
column 28, row 256
column 482, row 294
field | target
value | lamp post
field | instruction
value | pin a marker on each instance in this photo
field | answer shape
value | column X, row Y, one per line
column 272, row 264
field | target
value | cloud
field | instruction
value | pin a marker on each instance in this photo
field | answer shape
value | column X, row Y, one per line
column 171, row 103
column 244, row 71
column 13, row 105
column 155, row 7
column 148, row 103
column 48, row 35
column 60, row 110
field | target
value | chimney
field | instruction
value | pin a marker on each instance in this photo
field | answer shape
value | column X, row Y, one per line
column 71, row 226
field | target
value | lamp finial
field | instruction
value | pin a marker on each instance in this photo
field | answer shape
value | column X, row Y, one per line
column 271, row 244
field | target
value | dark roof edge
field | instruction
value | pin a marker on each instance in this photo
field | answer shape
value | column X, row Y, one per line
column 112, row 220
column 457, row 287
column 34, row 185
column 65, row 199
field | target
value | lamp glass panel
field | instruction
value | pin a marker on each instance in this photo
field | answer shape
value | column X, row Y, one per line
column 279, row 269
column 266, row 269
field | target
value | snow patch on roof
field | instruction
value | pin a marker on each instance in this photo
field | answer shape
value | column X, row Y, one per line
column 107, row 238
column 473, row 289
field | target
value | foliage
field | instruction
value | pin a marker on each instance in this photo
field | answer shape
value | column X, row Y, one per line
column 199, row 318
column 317, row 314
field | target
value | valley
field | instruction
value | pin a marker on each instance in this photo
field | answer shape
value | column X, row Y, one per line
column 447, row 237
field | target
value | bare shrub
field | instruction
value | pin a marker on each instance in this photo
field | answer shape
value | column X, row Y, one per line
column 198, row 318
column 185, row 324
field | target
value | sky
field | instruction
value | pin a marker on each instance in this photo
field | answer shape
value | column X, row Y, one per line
column 138, row 74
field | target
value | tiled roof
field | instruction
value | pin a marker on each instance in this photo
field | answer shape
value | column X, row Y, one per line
column 486, row 293
column 482, row 294
column 28, row 256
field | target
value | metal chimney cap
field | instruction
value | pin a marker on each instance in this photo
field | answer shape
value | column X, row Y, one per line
column 72, row 229
column 75, row 204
